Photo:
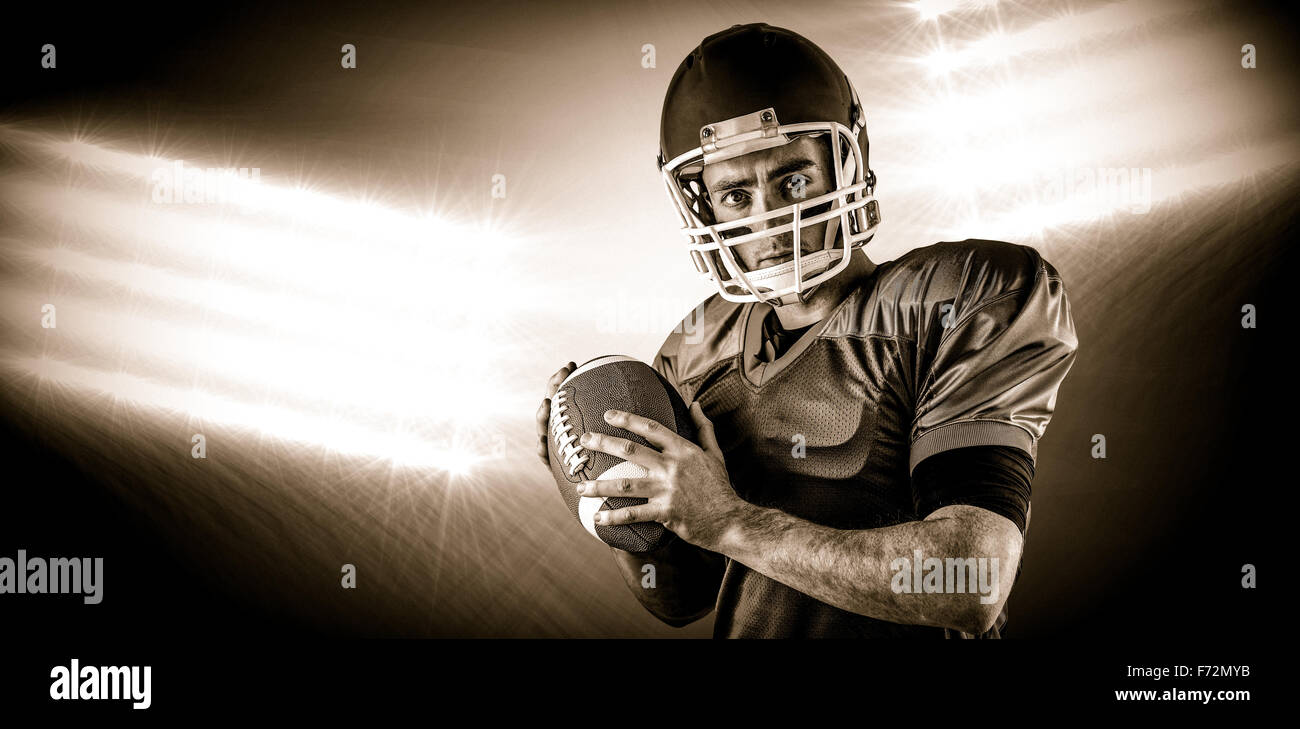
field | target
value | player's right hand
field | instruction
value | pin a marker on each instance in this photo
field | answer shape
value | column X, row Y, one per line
column 544, row 412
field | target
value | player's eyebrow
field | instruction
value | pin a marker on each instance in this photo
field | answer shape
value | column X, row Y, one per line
column 794, row 165
column 730, row 183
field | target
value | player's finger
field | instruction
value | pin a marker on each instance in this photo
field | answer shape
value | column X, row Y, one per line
column 704, row 429
column 554, row 383
column 653, row 431
column 544, row 417
column 543, row 429
column 628, row 515
column 639, row 487
column 644, row 456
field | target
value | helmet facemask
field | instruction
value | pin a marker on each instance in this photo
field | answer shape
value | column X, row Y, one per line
column 849, row 210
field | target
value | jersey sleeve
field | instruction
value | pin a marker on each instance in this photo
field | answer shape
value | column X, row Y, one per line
column 667, row 362
column 703, row 338
column 664, row 366
column 994, row 375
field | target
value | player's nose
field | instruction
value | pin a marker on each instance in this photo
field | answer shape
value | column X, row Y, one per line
column 765, row 202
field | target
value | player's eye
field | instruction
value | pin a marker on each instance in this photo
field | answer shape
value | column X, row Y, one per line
column 732, row 198
column 797, row 185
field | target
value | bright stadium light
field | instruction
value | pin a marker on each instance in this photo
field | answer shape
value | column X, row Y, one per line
column 306, row 316
column 931, row 9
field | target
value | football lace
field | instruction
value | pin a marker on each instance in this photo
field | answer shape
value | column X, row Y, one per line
column 562, row 431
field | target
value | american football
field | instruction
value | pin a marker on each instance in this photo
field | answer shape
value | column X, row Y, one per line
column 619, row 383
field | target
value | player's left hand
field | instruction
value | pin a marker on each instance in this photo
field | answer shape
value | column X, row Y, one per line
column 687, row 485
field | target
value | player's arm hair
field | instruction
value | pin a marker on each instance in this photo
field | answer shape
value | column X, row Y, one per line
column 975, row 501
column 855, row 569
column 685, row 580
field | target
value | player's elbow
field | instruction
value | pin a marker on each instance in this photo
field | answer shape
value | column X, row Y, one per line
column 674, row 608
column 980, row 618
column 678, row 619
column 973, row 615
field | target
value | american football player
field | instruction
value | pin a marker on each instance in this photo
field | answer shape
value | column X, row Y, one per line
column 861, row 426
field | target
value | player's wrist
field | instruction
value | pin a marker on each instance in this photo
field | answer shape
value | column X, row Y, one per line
column 741, row 538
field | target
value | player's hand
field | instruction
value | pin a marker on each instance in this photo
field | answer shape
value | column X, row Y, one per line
column 544, row 412
column 687, row 486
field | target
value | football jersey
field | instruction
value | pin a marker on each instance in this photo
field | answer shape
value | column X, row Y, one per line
column 951, row 345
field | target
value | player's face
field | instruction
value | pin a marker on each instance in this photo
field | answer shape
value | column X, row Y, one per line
column 768, row 180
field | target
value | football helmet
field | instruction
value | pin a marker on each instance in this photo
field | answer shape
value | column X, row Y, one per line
column 750, row 88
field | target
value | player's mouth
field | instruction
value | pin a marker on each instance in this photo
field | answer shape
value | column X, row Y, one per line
column 775, row 260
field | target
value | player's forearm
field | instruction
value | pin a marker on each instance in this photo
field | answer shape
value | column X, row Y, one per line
column 678, row 583
column 854, row 570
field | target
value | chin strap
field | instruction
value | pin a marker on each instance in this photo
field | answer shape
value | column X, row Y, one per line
column 799, row 298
